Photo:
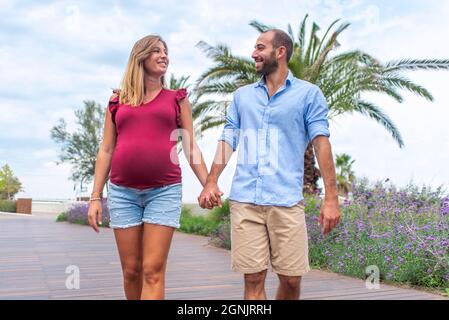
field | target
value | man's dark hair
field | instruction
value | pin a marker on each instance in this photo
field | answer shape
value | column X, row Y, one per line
column 282, row 39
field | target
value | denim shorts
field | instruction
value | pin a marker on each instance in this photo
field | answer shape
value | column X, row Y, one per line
column 129, row 207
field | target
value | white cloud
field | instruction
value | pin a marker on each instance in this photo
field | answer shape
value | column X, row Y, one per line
column 45, row 154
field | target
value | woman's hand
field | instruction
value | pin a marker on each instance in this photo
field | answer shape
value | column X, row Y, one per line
column 210, row 196
column 95, row 214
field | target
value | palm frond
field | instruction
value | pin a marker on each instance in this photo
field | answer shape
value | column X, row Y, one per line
column 209, row 106
column 417, row 64
column 312, row 43
column 316, row 66
column 333, row 43
column 374, row 112
column 290, row 32
column 227, row 66
column 324, row 38
column 211, row 122
column 213, row 52
column 381, row 87
column 302, row 35
column 406, row 84
column 259, row 26
column 221, row 88
column 354, row 57
column 177, row 83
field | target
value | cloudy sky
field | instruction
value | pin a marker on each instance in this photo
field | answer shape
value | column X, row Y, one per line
column 56, row 54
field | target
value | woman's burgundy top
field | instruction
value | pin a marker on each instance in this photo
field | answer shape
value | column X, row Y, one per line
column 145, row 154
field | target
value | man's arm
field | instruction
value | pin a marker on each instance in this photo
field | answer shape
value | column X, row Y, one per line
column 228, row 142
column 330, row 211
column 211, row 194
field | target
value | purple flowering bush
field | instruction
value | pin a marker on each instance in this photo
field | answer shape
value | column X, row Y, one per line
column 404, row 232
column 78, row 214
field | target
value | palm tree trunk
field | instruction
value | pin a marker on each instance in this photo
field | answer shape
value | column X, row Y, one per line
column 311, row 173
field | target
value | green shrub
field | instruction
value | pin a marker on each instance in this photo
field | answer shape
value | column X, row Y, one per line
column 196, row 224
column 8, row 205
column 62, row 216
column 215, row 224
column 220, row 214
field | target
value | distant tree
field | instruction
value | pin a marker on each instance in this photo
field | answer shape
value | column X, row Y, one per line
column 345, row 175
column 9, row 184
column 80, row 147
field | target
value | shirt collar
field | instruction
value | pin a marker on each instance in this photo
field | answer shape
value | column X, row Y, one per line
column 288, row 81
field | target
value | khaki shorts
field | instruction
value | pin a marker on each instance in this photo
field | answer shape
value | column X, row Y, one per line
column 264, row 234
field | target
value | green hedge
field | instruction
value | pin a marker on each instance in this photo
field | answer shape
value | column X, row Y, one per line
column 197, row 224
column 8, row 205
column 62, row 217
column 215, row 224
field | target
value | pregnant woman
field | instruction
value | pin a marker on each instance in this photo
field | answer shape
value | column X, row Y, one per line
column 139, row 150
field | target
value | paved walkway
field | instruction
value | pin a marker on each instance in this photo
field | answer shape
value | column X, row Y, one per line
column 35, row 252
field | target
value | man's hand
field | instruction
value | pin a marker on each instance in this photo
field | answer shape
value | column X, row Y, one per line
column 329, row 215
column 210, row 196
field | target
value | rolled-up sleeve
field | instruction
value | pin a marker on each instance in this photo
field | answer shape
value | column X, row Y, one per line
column 231, row 130
column 315, row 117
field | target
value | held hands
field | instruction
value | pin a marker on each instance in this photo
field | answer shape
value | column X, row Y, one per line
column 210, row 196
column 329, row 215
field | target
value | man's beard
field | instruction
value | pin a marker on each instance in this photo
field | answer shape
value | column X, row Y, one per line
column 269, row 65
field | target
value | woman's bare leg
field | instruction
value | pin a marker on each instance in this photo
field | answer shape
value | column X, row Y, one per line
column 129, row 244
column 156, row 244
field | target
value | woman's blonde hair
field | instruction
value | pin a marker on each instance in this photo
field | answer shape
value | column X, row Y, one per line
column 132, row 88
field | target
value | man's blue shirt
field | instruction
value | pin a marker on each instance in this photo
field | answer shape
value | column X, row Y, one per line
column 272, row 135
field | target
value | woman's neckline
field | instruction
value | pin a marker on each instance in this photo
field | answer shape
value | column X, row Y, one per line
column 155, row 97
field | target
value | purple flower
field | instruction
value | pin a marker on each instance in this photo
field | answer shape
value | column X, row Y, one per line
column 408, row 246
column 444, row 207
column 408, row 227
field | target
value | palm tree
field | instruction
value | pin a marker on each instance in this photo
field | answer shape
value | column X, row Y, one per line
column 343, row 78
column 177, row 83
column 345, row 175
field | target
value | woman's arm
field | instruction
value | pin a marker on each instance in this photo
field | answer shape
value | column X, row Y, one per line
column 104, row 156
column 191, row 150
column 102, row 167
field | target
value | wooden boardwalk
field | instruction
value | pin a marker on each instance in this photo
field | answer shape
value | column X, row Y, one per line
column 35, row 252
